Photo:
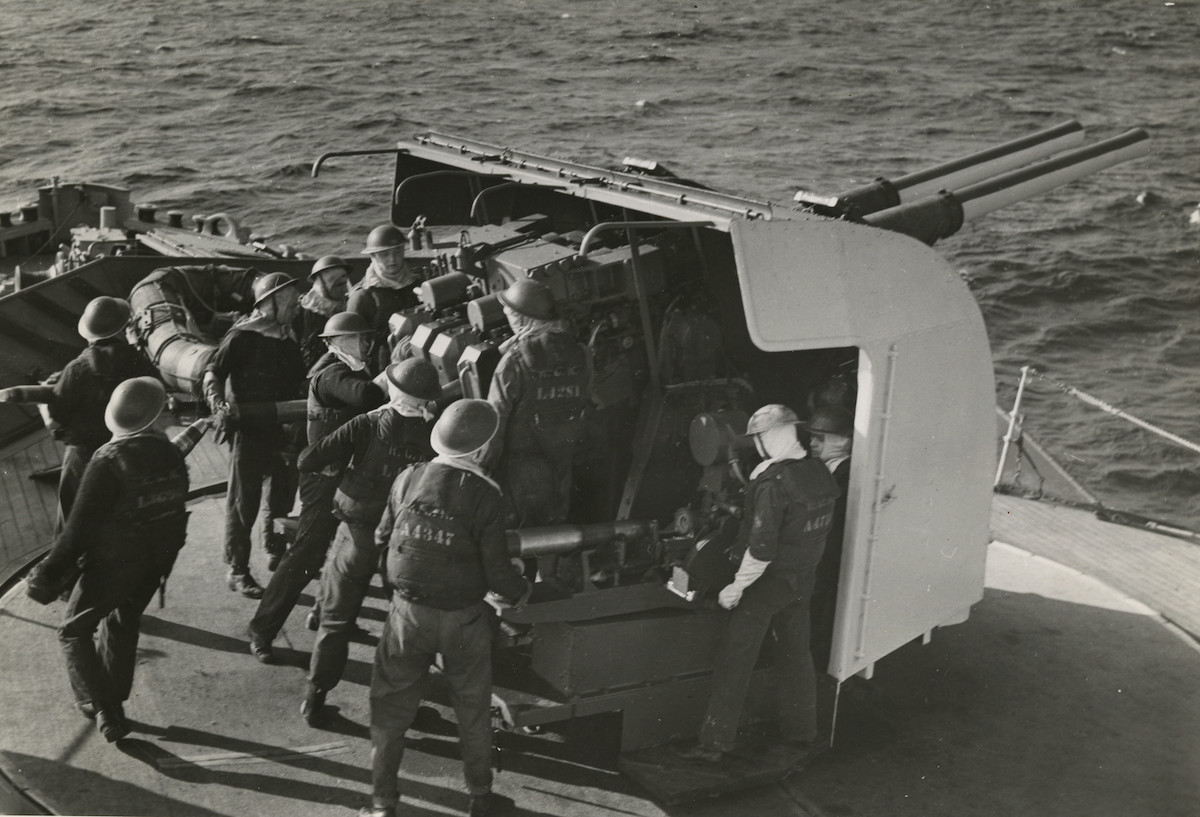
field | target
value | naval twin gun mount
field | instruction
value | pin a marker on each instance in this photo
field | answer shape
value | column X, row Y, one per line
column 699, row 307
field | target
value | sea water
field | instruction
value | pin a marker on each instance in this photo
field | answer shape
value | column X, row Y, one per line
column 222, row 107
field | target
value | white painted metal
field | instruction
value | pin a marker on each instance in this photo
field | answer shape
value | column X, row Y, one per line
column 817, row 284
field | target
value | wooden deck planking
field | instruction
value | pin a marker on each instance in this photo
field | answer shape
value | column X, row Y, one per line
column 30, row 507
column 1162, row 572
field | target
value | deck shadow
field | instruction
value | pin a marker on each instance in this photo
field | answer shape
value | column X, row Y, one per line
column 79, row 791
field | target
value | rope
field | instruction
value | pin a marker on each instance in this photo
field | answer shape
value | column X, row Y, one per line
column 1116, row 412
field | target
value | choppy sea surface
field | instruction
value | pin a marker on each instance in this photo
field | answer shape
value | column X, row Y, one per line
column 222, row 106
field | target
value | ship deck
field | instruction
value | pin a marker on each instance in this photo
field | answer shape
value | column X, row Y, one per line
column 1070, row 690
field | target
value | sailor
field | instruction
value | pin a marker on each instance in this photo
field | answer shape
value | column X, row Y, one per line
column 82, row 390
column 326, row 297
column 258, row 360
column 444, row 534
column 124, row 530
column 373, row 448
column 339, row 389
column 788, row 513
column 541, row 387
column 385, row 289
column 831, row 431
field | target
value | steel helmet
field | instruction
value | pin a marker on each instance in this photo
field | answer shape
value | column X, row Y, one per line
column 328, row 262
column 104, row 317
column 134, row 405
column 530, row 298
column 384, row 237
column 271, row 283
column 830, row 420
column 415, row 377
column 772, row 415
column 465, row 427
column 346, row 323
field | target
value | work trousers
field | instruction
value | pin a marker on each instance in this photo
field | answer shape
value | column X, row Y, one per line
column 74, row 461
column 303, row 559
column 778, row 603
column 111, row 601
column 255, row 459
column 352, row 561
column 412, row 637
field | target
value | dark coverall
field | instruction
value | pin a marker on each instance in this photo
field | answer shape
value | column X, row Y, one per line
column 377, row 304
column 378, row 445
column 336, row 393
column 541, row 387
column 824, row 604
column 125, row 530
column 80, row 397
column 444, row 534
column 255, row 368
column 789, row 510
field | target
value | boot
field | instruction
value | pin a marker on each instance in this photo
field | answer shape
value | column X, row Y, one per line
column 260, row 649
column 111, row 723
column 490, row 805
column 312, row 708
column 244, row 583
column 377, row 811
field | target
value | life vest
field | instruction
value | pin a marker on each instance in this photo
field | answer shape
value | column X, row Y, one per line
column 324, row 418
column 272, row 369
column 547, row 416
column 433, row 557
column 397, row 442
column 149, row 517
column 808, row 494
column 92, row 378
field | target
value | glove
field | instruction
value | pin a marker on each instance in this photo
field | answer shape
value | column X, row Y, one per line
column 747, row 574
column 39, row 592
column 224, row 420
column 500, row 604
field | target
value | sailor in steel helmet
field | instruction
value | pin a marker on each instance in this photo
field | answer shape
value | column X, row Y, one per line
column 372, row 449
column 541, row 387
column 258, row 360
column 444, row 533
column 330, row 279
column 831, row 433
column 82, row 390
column 339, row 389
column 385, row 289
column 788, row 512
column 125, row 529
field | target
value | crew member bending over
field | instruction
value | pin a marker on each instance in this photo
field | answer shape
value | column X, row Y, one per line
column 339, row 389
column 444, row 534
column 789, row 509
column 377, row 445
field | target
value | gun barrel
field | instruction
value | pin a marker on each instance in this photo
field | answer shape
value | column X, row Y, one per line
column 1018, row 185
column 987, row 163
column 559, row 539
column 942, row 215
column 984, row 164
column 286, row 411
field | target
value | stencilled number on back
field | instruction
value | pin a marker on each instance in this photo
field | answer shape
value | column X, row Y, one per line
column 418, row 529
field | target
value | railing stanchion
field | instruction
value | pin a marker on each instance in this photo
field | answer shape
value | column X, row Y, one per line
column 1012, row 424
